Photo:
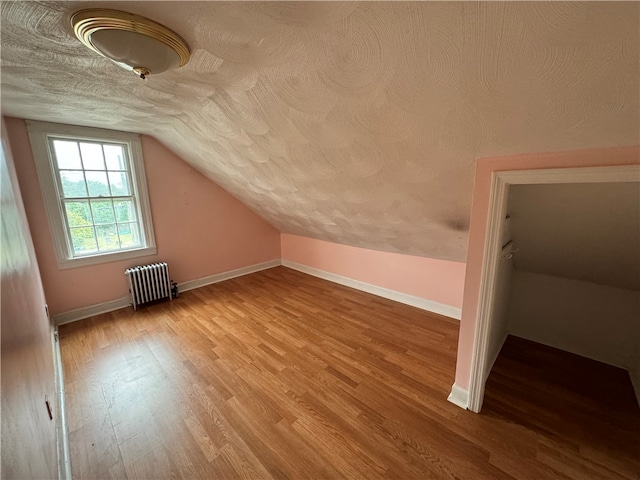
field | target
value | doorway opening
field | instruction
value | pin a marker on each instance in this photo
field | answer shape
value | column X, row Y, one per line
column 491, row 330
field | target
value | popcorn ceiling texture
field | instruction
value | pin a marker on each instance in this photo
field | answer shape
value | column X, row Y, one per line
column 353, row 123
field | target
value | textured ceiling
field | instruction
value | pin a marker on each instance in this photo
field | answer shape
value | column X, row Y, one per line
column 353, row 123
column 586, row 231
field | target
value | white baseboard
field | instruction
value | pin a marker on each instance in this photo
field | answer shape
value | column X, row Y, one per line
column 86, row 312
column 62, row 433
column 419, row 302
column 459, row 396
column 422, row 303
column 220, row 277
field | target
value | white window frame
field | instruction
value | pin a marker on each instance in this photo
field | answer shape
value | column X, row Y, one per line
column 39, row 134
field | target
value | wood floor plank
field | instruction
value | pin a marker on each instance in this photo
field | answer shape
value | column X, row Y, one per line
column 280, row 375
column 95, row 450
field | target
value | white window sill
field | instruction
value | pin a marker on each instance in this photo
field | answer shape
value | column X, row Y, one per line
column 105, row 258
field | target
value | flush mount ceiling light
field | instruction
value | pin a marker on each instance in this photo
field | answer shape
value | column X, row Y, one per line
column 133, row 42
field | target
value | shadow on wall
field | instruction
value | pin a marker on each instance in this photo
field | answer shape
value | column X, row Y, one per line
column 29, row 448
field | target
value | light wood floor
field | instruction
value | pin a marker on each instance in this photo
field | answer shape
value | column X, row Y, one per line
column 282, row 375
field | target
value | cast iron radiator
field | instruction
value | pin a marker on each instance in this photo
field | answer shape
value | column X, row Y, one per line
column 150, row 282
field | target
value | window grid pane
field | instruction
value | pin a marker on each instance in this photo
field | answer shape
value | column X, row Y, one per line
column 92, row 156
column 78, row 213
column 92, row 227
column 115, row 157
column 73, row 183
column 95, row 184
column 67, row 155
column 129, row 234
column 102, row 212
column 125, row 209
column 107, row 238
column 84, row 240
column 119, row 183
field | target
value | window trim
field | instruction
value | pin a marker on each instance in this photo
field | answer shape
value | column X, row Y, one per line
column 39, row 133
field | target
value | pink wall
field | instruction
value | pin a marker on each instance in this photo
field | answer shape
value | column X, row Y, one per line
column 478, row 228
column 28, row 436
column 200, row 229
column 435, row 280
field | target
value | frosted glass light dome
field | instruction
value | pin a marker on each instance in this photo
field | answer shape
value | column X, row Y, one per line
column 133, row 42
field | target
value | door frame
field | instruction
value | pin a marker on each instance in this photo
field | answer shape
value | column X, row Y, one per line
column 500, row 182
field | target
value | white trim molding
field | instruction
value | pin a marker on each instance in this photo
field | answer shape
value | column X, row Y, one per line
column 124, row 302
column 228, row 275
column 500, row 182
column 62, row 433
column 86, row 312
column 459, row 396
column 41, row 134
column 418, row 302
column 490, row 261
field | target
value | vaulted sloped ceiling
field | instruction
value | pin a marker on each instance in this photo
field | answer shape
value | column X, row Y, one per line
column 583, row 231
column 357, row 123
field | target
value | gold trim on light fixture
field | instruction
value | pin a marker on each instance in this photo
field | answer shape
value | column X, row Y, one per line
column 87, row 22
column 141, row 72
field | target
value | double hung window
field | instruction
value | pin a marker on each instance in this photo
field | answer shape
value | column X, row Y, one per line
column 95, row 192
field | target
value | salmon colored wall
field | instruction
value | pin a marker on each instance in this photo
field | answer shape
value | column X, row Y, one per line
column 478, row 227
column 432, row 279
column 28, row 435
column 200, row 229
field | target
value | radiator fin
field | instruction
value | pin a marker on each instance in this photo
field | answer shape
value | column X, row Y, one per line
column 148, row 283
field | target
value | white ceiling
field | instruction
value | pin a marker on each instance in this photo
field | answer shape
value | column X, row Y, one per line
column 588, row 231
column 353, row 123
